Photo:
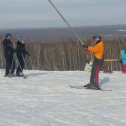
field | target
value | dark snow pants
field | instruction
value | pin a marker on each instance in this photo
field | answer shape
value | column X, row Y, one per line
column 97, row 64
column 10, row 64
column 20, row 64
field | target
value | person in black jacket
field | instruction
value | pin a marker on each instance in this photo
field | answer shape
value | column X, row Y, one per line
column 9, row 55
column 21, row 52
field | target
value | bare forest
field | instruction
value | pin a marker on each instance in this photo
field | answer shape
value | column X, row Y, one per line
column 66, row 55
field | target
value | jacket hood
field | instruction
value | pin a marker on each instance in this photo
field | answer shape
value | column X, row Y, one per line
column 122, row 51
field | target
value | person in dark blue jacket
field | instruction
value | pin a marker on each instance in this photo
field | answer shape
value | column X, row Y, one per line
column 9, row 55
column 21, row 52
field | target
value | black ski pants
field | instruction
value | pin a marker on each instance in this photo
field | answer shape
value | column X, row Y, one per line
column 10, row 64
column 20, row 64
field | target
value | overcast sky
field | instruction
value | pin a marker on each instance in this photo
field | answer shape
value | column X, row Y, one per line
column 40, row 14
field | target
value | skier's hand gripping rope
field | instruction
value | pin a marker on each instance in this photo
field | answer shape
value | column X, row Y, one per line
column 85, row 46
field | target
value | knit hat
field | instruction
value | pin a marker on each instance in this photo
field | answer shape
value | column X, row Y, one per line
column 122, row 51
column 7, row 35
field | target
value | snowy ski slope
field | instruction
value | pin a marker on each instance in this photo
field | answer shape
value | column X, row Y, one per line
column 46, row 99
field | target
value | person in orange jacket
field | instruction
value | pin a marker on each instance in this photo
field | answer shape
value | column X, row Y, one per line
column 98, row 51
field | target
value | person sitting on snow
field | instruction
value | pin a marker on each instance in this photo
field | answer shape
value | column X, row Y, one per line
column 98, row 51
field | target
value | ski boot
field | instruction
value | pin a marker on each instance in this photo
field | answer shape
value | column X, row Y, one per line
column 88, row 85
column 95, row 87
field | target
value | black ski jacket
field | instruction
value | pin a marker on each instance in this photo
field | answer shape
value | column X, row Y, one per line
column 21, row 49
column 8, row 47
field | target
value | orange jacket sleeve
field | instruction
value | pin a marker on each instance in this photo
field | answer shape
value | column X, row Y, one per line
column 97, row 50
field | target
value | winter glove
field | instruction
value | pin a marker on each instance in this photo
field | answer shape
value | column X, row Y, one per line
column 28, row 55
column 85, row 46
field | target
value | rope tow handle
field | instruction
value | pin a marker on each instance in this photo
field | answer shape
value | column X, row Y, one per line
column 69, row 26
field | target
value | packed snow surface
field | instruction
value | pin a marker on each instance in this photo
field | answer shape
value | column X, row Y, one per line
column 45, row 98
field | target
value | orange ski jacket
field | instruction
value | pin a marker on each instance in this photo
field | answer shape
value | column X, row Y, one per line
column 97, row 50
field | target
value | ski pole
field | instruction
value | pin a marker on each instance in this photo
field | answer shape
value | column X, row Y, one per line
column 31, row 63
column 20, row 66
column 12, row 65
column 69, row 26
column 25, row 63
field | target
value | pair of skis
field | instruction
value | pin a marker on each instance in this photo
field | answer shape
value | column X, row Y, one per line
column 82, row 87
column 23, row 76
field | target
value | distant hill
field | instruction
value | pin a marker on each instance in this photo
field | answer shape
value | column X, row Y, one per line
column 55, row 34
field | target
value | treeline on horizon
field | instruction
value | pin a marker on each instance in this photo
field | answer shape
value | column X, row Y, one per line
column 67, row 55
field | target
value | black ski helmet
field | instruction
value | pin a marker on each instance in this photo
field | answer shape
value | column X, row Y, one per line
column 97, row 37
